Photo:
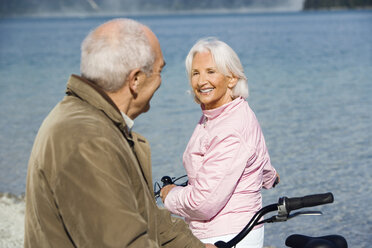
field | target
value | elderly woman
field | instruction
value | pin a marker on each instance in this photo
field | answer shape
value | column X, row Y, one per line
column 226, row 159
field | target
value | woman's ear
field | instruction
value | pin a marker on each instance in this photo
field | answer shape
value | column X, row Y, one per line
column 232, row 82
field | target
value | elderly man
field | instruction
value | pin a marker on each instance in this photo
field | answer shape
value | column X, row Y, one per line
column 89, row 176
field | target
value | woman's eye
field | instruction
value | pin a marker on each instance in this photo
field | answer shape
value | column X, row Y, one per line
column 210, row 72
column 194, row 73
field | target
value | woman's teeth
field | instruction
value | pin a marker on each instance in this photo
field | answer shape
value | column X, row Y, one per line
column 206, row 90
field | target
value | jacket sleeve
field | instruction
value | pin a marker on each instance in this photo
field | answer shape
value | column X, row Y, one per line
column 269, row 174
column 174, row 232
column 96, row 201
column 216, row 180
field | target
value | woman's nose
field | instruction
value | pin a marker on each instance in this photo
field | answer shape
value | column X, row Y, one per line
column 202, row 80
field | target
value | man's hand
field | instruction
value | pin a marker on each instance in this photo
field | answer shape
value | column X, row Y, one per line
column 165, row 190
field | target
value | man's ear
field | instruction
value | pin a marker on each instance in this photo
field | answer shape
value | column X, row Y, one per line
column 134, row 78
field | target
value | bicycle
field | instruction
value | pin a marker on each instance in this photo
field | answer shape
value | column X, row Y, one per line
column 283, row 208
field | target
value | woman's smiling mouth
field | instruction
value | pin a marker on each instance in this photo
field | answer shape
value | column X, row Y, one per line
column 206, row 90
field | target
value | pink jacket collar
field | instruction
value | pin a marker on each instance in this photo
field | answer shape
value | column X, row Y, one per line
column 213, row 113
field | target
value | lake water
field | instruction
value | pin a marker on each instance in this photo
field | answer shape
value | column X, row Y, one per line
column 310, row 79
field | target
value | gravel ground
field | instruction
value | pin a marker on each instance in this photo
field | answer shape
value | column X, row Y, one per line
column 11, row 221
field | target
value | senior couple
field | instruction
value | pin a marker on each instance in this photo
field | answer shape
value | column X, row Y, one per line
column 89, row 181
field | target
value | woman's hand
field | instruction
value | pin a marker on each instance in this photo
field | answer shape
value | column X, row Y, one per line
column 277, row 180
column 165, row 190
column 210, row 246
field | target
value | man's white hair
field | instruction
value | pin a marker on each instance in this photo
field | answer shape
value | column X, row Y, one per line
column 107, row 58
column 226, row 60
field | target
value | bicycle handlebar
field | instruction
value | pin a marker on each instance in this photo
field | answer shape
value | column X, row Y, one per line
column 307, row 201
column 284, row 207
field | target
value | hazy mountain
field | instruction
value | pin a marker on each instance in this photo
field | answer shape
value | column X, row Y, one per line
column 71, row 7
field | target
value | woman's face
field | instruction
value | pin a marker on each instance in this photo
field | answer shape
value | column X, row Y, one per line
column 211, row 88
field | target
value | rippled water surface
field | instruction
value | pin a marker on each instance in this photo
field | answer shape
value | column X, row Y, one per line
column 310, row 79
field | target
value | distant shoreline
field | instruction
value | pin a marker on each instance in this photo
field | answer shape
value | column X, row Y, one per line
column 337, row 9
column 148, row 13
column 173, row 13
column 336, row 5
column 84, row 8
column 140, row 7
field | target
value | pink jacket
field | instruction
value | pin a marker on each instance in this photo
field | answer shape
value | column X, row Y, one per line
column 227, row 164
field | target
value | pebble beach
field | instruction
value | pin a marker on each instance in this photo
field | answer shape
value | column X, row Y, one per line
column 11, row 221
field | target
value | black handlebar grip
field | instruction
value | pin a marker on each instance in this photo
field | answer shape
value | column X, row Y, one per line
column 166, row 180
column 308, row 201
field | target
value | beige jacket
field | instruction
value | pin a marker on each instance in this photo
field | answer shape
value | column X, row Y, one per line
column 89, row 181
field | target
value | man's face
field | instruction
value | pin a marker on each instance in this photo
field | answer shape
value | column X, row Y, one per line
column 151, row 82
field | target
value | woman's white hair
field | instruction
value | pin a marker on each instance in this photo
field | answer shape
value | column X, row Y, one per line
column 226, row 60
column 108, row 58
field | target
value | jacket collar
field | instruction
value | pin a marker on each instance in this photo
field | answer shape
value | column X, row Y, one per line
column 95, row 96
column 213, row 113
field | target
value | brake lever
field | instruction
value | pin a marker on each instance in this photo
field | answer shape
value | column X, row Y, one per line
column 291, row 216
column 282, row 218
